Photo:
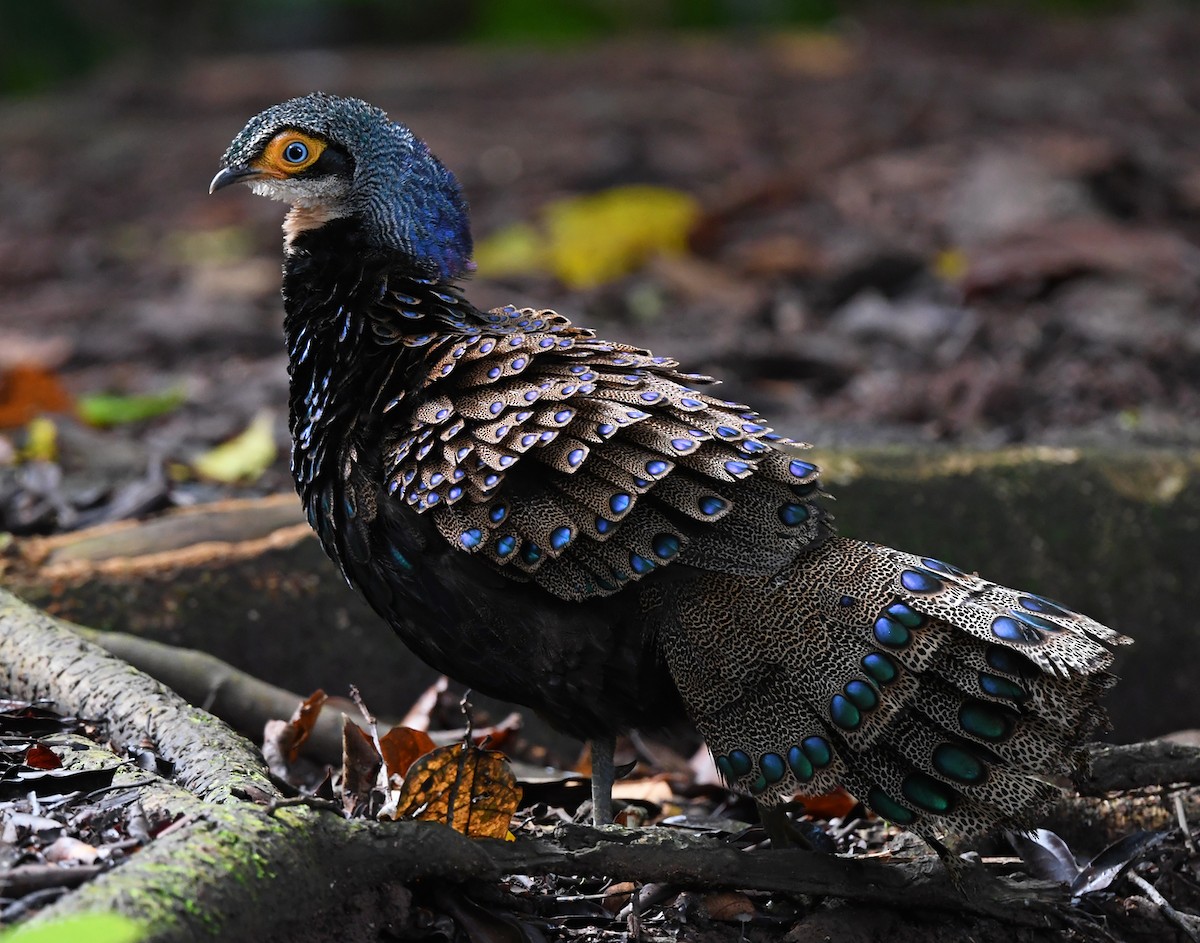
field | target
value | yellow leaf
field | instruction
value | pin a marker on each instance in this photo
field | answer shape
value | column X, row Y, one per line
column 950, row 265
column 41, row 441
column 595, row 239
column 244, row 457
column 515, row 250
column 589, row 240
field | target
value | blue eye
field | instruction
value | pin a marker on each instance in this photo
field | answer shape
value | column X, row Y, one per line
column 295, row 153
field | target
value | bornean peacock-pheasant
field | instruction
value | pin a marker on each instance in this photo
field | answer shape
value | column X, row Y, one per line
column 578, row 526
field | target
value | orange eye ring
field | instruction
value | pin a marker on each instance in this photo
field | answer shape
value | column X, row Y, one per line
column 290, row 152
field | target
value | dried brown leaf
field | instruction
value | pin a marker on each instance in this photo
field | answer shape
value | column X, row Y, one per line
column 361, row 763
column 403, row 746
column 42, row 757
column 471, row 790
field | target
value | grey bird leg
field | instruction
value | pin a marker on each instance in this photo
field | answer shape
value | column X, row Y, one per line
column 603, row 773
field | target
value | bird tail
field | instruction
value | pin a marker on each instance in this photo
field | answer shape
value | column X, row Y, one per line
column 946, row 703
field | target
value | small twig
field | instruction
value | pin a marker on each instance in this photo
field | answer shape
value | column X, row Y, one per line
column 1181, row 816
column 312, row 802
column 1188, row 923
column 465, row 706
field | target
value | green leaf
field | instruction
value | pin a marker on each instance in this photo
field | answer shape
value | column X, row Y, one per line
column 244, row 457
column 92, row 928
column 112, row 409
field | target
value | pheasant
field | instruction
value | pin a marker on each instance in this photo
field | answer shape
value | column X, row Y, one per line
column 579, row 526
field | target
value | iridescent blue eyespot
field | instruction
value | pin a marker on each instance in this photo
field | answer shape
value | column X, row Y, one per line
column 711, row 504
column 801, row 469
column 1008, row 661
column 603, row 525
column 656, row 467
column 498, row 513
column 941, row 566
column 739, row 762
column 844, row 713
column 575, row 457
column 927, row 793
column 889, row 808
column 605, row 429
column 506, row 545
column 531, row 553
column 753, row 428
column 620, row 502
column 918, row 581
column 650, row 396
column 682, row 445
column 494, row 373
column 454, row 493
column 793, row 515
column 640, row 564
column 772, row 767
column 818, row 750
column 727, row 432
column 800, row 764
column 471, row 538
column 880, row 667
column 496, row 408
column 905, row 614
column 986, row 721
column 1036, row 622
column 665, row 545
column 1002, row 687
column 846, row 600
column 560, row 537
column 862, row 695
column 1013, row 631
column 736, row 468
column 1044, row 606
column 691, row 403
column 891, row 634
column 518, row 363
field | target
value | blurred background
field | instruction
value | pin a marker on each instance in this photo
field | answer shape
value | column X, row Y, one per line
column 922, row 225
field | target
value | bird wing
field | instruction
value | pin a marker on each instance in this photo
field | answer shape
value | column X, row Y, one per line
column 583, row 465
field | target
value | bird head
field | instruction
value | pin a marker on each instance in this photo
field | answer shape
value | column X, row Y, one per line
column 341, row 158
